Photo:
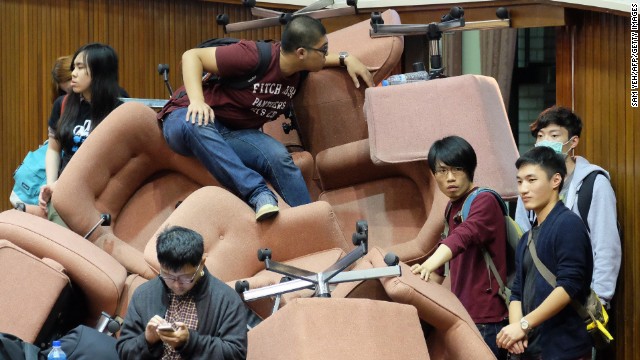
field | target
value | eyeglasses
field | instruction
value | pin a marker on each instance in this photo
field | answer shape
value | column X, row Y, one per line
column 182, row 279
column 323, row 50
column 443, row 171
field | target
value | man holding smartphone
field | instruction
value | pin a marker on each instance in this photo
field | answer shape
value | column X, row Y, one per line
column 184, row 313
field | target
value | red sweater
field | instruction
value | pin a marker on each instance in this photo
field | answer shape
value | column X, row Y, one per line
column 470, row 277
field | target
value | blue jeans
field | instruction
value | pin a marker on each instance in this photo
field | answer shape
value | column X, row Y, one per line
column 240, row 160
column 489, row 332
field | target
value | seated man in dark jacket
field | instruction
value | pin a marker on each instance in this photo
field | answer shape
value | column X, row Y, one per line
column 184, row 313
column 543, row 323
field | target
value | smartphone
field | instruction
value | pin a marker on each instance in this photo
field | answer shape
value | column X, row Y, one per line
column 166, row 327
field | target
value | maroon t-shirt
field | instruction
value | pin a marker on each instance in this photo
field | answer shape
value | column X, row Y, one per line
column 252, row 107
column 468, row 270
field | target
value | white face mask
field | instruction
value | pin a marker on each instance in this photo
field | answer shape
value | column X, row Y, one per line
column 554, row 145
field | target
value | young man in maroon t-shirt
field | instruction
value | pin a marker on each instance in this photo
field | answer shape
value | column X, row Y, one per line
column 453, row 162
column 221, row 125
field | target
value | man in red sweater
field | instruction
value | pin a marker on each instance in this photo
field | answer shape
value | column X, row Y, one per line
column 453, row 162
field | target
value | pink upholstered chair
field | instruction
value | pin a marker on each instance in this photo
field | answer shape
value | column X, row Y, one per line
column 126, row 169
column 306, row 235
column 449, row 330
column 386, row 179
column 309, row 237
column 401, row 202
column 97, row 278
column 329, row 107
column 355, row 329
column 29, row 312
column 232, row 238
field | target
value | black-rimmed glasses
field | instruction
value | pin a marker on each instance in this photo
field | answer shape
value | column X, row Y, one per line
column 182, row 279
column 323, row 50
column 443, row 171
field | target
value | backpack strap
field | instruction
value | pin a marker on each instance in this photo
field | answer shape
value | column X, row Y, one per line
column 264, row 59
column 585, row 195
column 549, row 277
column 64, row 103
column 464, row 213
column 215, row 42
column 445, row 233
column 491, row 266
column 466, row 208
column 3, row 351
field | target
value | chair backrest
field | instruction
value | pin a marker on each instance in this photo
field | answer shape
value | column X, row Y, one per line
column 358, row 329
column 233, row 237
column 329, row 107
column 386, row 179
column 45, row 282
column 405, row 120
column 395, row 199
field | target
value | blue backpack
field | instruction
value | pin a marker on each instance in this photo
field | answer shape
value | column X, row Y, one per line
column 31, row 175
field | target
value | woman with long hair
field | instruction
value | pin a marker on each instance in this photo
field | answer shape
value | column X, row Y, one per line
column 94, row 94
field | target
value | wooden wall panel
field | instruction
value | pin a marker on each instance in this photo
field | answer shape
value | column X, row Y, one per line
column 611, row 139
column 33, row 33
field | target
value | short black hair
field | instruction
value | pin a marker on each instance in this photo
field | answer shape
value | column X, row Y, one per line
column 560, row 116
column 453, row 151
column 301, row 31
column 545, row 157
column 178, row 246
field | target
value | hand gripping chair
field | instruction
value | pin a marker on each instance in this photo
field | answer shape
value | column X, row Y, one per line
column 126, row 169
column 329, row 106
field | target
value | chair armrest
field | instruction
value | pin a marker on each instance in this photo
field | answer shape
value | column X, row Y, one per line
column 349, row 164
column 99, row 276
column 454, row 332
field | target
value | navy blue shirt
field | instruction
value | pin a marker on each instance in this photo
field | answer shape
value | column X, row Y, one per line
column 563, row 246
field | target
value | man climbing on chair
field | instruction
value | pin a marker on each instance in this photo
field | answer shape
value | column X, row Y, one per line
column 220, row 124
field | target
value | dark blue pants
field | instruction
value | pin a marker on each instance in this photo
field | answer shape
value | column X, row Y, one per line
column 240, row 159
column 489, row 332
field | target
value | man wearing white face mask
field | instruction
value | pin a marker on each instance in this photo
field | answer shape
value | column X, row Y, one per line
column 559, row 128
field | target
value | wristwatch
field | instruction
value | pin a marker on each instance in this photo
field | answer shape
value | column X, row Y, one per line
column 20, row 206
column 342, row 56
column 524, row 325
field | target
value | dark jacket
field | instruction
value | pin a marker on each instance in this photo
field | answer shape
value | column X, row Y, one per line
column 222, row 323
column 563, row 246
